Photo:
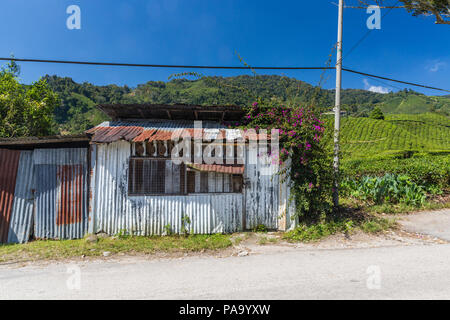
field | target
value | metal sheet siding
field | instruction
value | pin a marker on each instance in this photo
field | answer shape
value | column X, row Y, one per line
column 114, row 211
column 287, row 205
column 21, row 222
column 61, row 193
column 261, row 190
column 9, row 163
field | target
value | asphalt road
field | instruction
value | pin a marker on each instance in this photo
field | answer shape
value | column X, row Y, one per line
column 401, row 272
column 434, row 223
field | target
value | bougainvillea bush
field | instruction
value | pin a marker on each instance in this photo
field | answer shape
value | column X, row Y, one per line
column 302, row 153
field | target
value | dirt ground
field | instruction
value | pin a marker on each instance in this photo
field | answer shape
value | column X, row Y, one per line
column 250, row 243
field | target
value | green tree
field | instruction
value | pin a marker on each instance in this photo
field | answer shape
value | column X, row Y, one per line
column 377, row 114
column 25, row 110
column 440, row 9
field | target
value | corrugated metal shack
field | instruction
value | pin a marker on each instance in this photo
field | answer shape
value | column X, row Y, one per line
column 43, row 188
column 122, row 177
column 138, row 189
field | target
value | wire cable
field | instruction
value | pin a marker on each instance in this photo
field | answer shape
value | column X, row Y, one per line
column 389, row 79
column 118, row 64
column 213, row 67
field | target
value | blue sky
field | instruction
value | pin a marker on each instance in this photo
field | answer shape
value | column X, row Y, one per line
column 279, row 33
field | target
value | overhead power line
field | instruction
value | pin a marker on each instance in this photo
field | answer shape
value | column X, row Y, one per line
column 390, row 79
column 117, row 64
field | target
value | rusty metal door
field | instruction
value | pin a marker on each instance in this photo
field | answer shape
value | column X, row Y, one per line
column 9, row 163
column 61, row 193
column 16, row 198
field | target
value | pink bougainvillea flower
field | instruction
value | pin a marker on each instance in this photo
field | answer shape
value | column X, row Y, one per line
column 307, row 146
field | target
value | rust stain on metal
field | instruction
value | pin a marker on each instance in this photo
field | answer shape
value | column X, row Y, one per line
column 162, row 135
column 145, row 135
column 136, row 133
column 167, row 135
column 9, row 163
column 71, row 194
column 112, row 134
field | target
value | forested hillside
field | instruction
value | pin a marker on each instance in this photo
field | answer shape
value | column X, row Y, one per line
column 77, row 110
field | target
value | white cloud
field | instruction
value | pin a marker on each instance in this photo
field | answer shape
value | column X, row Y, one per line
column 377, row 89
column 436, row 65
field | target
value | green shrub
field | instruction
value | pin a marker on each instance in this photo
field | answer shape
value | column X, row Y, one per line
column 302, row 155
column 432, row 172
column 388, row 188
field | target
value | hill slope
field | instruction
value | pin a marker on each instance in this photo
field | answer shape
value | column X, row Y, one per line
column 77, row 112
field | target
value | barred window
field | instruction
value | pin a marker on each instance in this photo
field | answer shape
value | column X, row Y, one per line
column 153, row 176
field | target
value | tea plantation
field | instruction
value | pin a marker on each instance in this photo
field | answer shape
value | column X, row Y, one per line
column 415, row 145
column 399, row 135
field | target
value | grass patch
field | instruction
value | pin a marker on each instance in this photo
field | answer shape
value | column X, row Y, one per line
column 266, row 240
column 260, row 228
column 344, row 223
column 60, row 249
column 376, row 225
column 237, row 240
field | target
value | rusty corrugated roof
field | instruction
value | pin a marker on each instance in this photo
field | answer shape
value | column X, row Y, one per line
column 111, row 134
column 35, row 142
column 164, row 130
column 145, row 135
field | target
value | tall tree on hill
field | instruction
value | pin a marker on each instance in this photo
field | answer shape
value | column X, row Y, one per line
column 377, row 114
column 25, row 110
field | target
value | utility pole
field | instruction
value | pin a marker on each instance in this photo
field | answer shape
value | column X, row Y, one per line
column 337, row 107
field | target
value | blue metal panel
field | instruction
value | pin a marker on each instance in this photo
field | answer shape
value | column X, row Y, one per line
column 46, row 193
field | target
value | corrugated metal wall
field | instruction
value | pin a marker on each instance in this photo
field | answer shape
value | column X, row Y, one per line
column 21, row 222
column 262, row 190
column 48, row 189
column 61, row 193
column 9, row 163
column 114, row 211
column 16, row 195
